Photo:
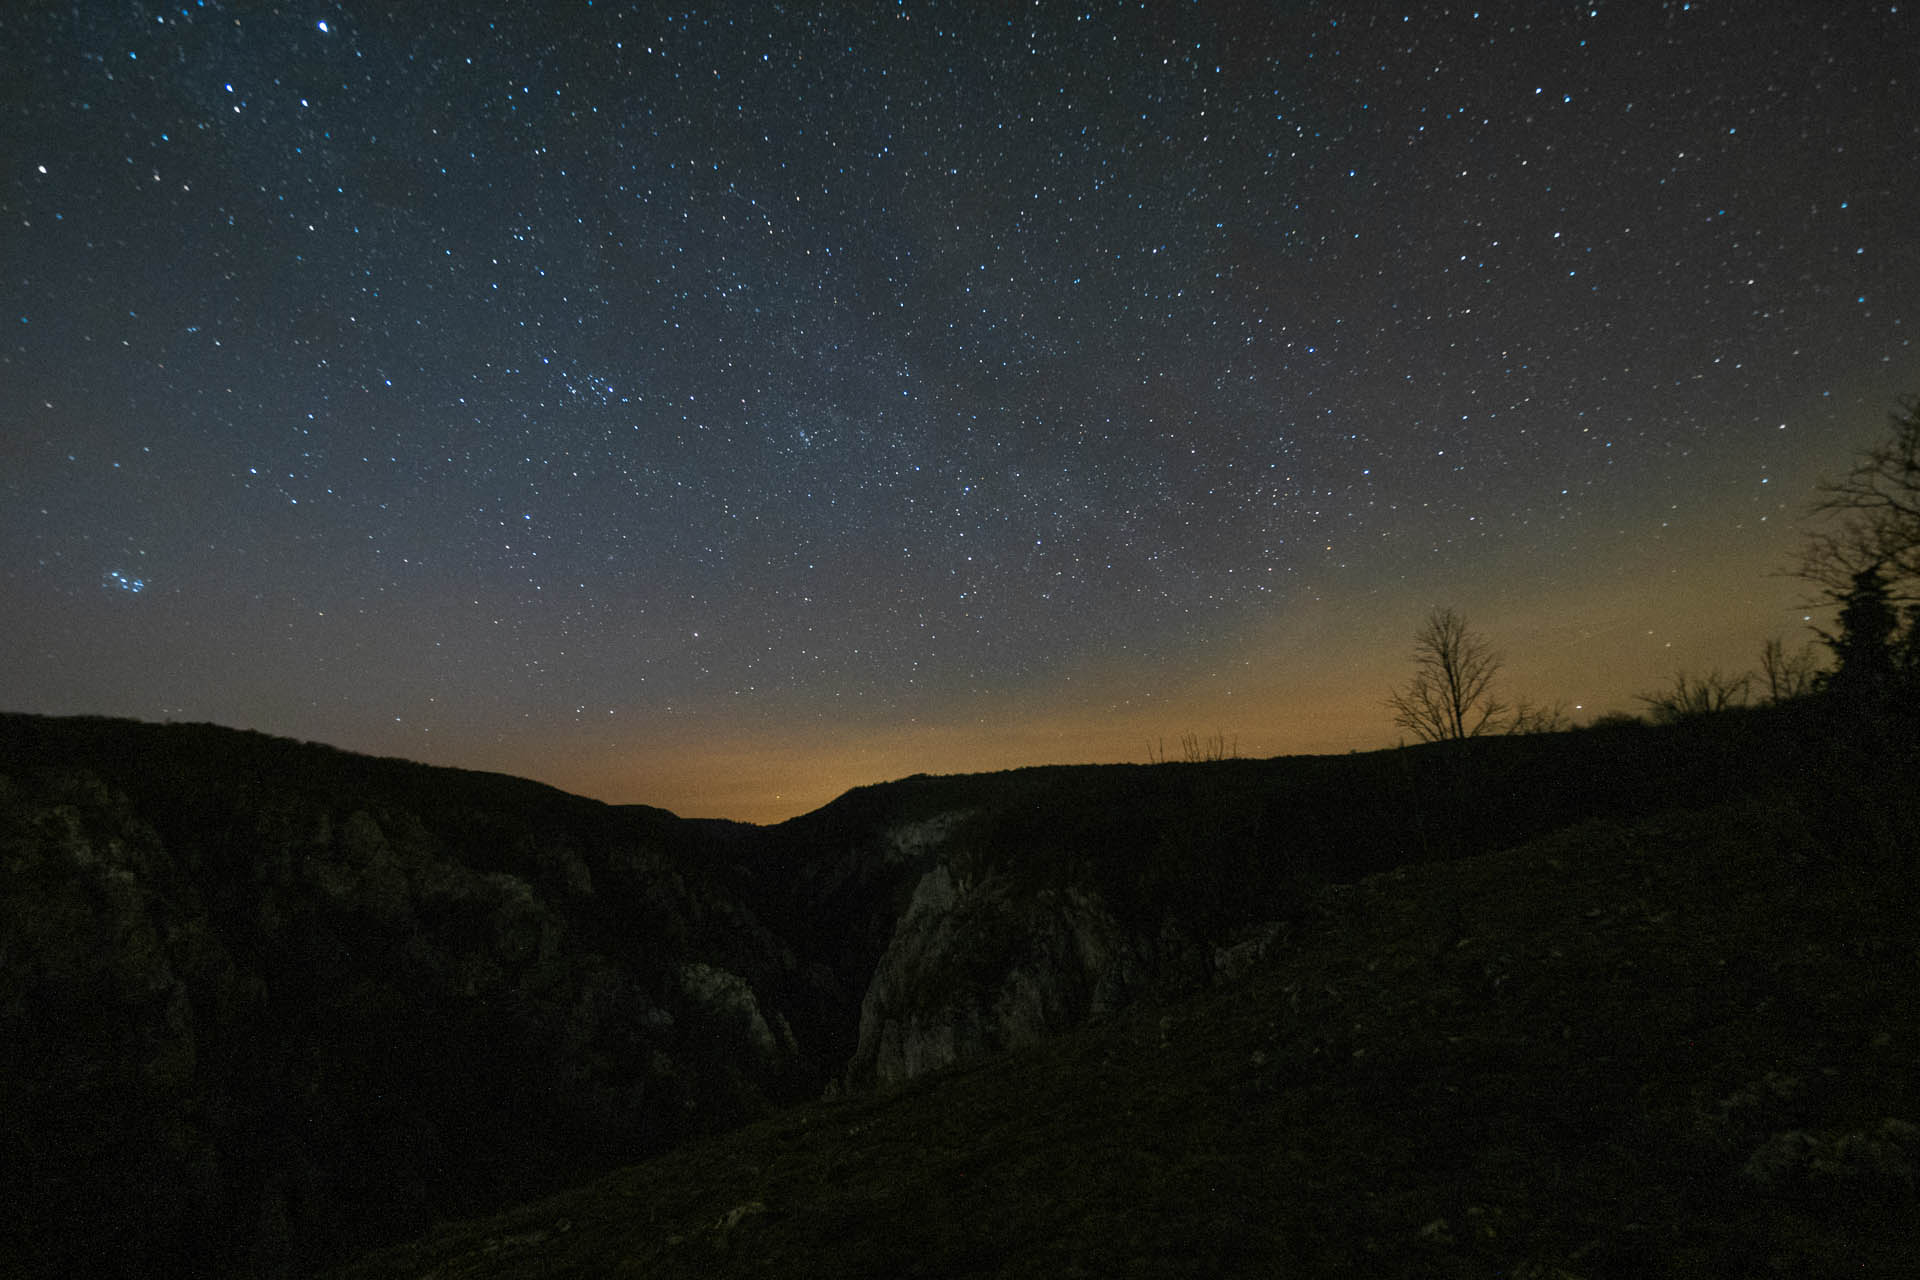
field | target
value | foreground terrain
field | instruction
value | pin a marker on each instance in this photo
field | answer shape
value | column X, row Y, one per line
column 1683, row 1046
column 1624, row 1001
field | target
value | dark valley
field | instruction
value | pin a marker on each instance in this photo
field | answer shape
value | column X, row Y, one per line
column 1622, row 1000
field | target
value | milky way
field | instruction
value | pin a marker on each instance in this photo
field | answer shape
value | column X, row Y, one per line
column 722, row 407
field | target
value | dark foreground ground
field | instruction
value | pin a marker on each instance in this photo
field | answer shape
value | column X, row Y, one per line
column 1687, row 1045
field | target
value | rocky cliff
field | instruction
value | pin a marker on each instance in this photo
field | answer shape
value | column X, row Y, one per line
column 975, row 968
column 264, row 1003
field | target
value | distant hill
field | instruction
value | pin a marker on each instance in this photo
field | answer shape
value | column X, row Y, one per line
column 265, row 1004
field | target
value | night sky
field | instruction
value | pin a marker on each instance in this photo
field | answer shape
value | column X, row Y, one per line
column 722, row 407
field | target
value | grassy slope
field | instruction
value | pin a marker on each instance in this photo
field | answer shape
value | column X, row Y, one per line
column 1550, row 1061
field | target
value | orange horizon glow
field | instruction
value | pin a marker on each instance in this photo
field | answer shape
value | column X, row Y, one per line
column 1313, row 681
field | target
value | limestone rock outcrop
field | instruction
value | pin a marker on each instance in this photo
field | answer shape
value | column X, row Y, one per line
column 300, row 1001
column 977, row 969
column 264, row 1002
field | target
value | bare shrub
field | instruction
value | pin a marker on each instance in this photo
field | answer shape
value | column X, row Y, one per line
column 1691, row 696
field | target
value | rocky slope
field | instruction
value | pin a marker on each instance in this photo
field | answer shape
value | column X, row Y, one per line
column 990, row 911
column 1685, row 1045
column 264, row 1003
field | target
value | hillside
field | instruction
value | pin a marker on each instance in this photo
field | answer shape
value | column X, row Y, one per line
column 266, row 1005
column 1677, row 1047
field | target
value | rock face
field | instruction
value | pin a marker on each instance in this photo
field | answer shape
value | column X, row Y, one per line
column 977, row 915
column 973, row 971
column 101, row 954
column 263, row 1003
column 728, row 997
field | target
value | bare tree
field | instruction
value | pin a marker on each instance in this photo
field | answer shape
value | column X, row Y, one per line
column 1531, row 717
column 1196, row 750
column 1451, row 693
column 1698, row 695
column 1788, row 675
column 1872, row 515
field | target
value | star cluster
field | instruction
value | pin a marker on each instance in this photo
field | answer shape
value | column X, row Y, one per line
column 675, row 403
